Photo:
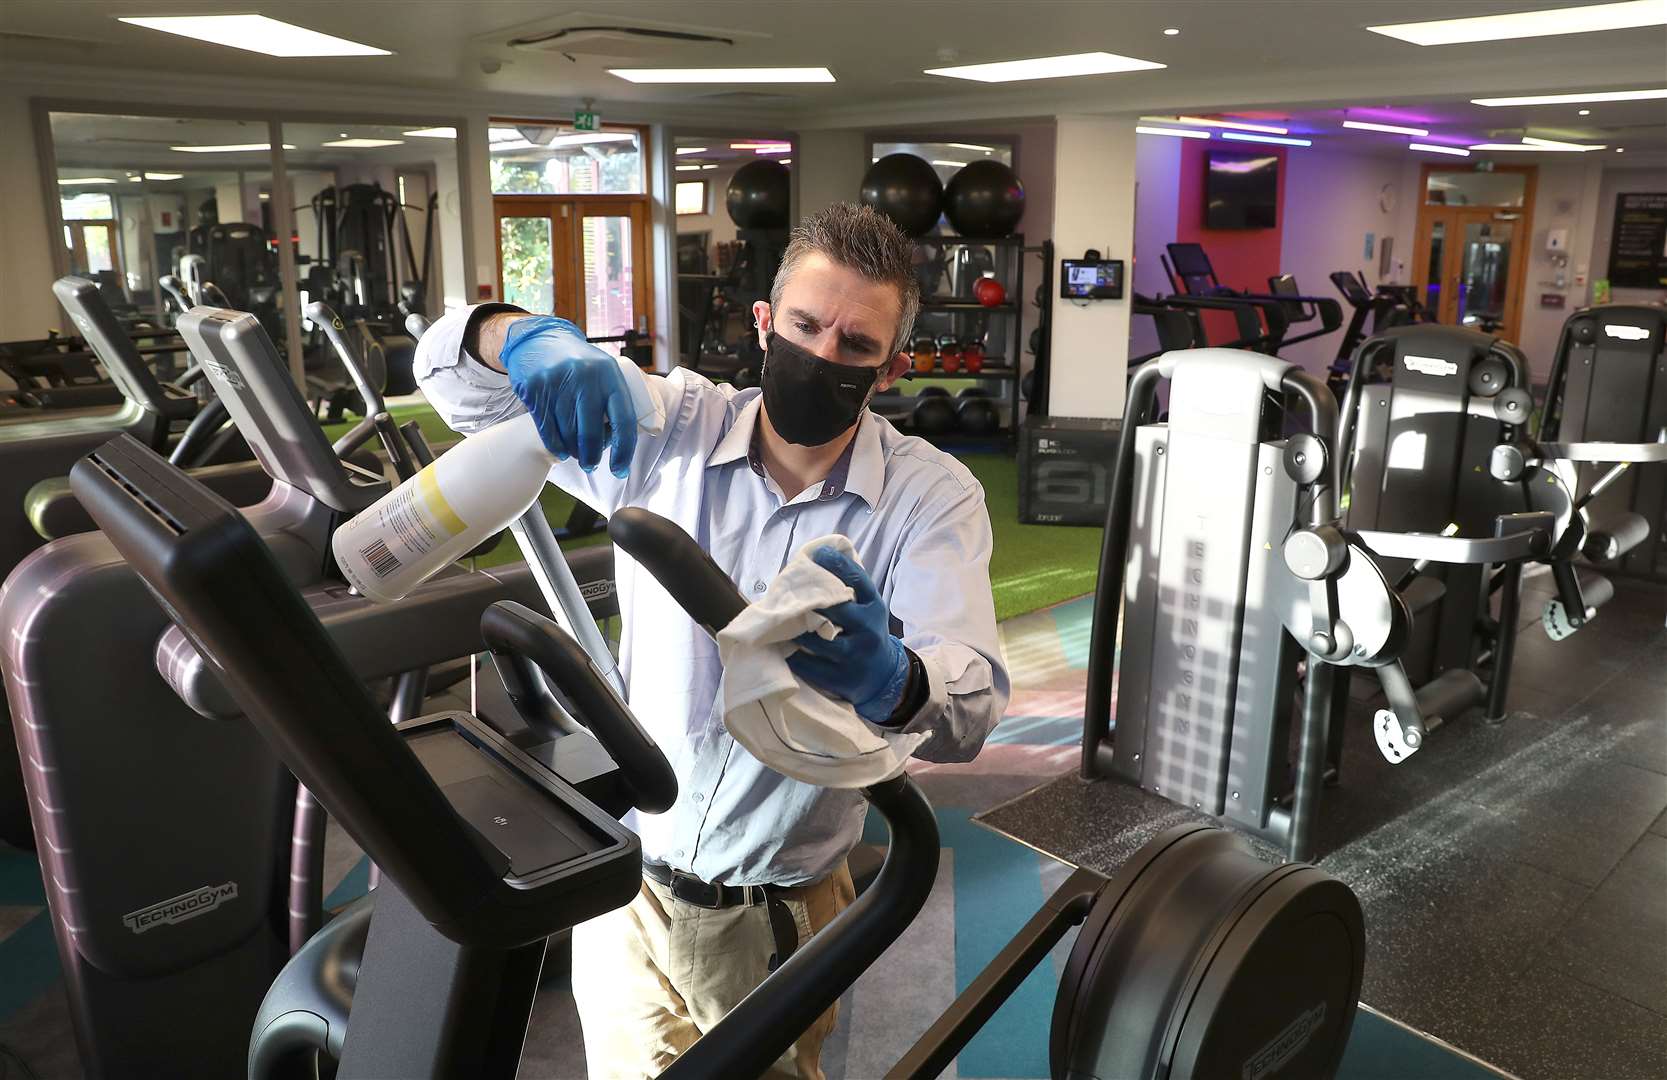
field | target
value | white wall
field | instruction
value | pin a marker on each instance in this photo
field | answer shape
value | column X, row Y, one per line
column 1094, row 162
column 716, row 220
column 1156, row 210
column 1565, row 193
column 26, row 309
column 827, row 168
column 1616, row 182
column 1332, row 200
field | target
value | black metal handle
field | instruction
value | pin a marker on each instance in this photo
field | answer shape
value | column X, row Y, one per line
column 679, row 564
column 516, row 633
column 1403, row 701
column 1114, row 554
column 320, row 314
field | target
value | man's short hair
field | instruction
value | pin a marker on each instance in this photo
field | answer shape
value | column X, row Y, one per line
column 861, row 239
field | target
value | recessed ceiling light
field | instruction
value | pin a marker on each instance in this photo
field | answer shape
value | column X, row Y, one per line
column 365, row 144
column 1432, row 148
column 724, row 75
column 75, row 181
column 687, row 168
column 1564, row 148
column 135, row 179
column 1170, row 31
column 432, row 133
column 1046, row 67
column 755, row 144
column 1571, row 99
column 1182, row 133
column 1361, row 125
column 1208, row 121
column 256, row 33
column 1239, row 136
column 227, row 148
column 950, row 164
column 691, row 149
column 1620, row 149
column 591, row 138
column 1529, row 24
column 703, row 168
column 974, row 147
column 784, row 161
column 773, row 150
column 1585, row 112
column 164, row 176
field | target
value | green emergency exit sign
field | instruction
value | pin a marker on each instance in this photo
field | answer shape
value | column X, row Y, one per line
column 587, row 121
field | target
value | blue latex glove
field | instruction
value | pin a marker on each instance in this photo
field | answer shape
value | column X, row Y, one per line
column 575, row 392
column 864, row 664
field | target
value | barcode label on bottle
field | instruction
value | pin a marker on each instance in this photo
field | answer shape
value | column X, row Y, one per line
column 382, row 561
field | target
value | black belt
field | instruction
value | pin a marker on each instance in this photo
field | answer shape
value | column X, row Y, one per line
column 692, row 890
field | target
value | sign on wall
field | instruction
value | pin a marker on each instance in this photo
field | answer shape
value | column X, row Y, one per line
column 1638, row 246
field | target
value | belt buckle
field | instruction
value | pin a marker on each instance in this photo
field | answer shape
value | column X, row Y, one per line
column 692, row 890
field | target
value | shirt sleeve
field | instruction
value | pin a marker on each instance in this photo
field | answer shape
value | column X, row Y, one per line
column 939, row 589
column 471, row 397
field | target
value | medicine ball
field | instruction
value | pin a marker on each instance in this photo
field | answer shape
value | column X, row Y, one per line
column 931, row 391
column 905, row 189
column 1027, row 385
column 984, row 199
column 760, row 195
column 1034, row 344
column 978, row 416
column 934, row 414
column 972, row 391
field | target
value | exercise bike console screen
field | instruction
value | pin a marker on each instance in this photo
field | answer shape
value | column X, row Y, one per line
column 1091, row 279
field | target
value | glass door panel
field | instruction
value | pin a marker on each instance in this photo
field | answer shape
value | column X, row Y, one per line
column 1484, row 273
column 1435, row 266
column 608, row 271
column 526, row 262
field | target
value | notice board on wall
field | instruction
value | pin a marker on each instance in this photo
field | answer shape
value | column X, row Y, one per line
column 1638, row 246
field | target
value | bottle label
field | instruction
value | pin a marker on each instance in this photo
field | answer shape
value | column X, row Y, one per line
column 411, row 522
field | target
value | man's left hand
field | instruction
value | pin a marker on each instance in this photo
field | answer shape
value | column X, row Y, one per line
column 863, row 664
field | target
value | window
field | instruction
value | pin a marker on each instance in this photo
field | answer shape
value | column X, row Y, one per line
column 550, row 159
column 691, row 197
column 1455, row 188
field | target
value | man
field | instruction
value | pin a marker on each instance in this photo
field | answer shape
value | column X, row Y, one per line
column 753, row 475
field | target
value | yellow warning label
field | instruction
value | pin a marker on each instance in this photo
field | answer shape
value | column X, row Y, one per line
column 434, row 501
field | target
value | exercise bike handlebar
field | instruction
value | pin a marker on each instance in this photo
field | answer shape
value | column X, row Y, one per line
column 680, row 565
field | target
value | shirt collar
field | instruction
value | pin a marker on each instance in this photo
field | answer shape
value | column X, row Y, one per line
column 859, row 470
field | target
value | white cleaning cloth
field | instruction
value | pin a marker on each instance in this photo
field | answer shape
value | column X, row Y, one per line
column 793, row 728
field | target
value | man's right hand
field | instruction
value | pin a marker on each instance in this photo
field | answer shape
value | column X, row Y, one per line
column 576, row 393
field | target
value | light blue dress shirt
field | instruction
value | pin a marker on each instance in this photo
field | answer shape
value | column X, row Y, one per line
column 917, row 519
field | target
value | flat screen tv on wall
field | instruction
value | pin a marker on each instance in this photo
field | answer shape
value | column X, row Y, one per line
column 1241, row 190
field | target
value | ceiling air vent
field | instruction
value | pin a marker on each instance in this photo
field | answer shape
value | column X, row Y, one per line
column 589, row 36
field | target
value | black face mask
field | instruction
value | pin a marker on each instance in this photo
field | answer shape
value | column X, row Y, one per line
column 811, row 400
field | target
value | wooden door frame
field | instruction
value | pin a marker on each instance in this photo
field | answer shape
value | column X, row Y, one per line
column 548, row 208
column 1516, row 281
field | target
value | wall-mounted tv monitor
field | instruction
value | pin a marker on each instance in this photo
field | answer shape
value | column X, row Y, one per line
column 1241, row 189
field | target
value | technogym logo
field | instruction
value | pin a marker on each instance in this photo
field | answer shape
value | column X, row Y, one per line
column 187, row 905
column 1286, row 1045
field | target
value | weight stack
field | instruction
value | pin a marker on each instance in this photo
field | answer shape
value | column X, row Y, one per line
column 1065, row 466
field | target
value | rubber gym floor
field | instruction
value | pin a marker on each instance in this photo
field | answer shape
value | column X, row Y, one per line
column 1512, row 876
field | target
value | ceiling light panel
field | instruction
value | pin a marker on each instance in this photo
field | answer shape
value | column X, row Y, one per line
column 1572, row 99
column 1181, row 133
column 724, row 75
column 1434, row 148
column 1530, row 24
column 1047, row 67
column 255, row 33
column 364, row 144
column 1243, row 136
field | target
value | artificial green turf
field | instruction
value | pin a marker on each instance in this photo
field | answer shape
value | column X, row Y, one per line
column 1031, row 566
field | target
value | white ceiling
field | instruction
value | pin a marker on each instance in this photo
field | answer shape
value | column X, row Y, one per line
column 1230, row 52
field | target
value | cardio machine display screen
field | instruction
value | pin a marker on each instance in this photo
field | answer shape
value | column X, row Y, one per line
column 1084, row 279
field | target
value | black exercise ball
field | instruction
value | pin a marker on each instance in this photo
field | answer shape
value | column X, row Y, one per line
column 978, row 416
column 931, row 391
column 905, row 189
column 972, row 391
column 984, row 199
column 934, row 416
column 760, row 195
column 1027, row 385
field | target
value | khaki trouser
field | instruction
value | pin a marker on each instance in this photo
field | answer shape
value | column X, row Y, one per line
column 652, row 977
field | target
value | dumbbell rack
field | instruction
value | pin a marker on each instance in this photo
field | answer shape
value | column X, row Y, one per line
column 1003, row 366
